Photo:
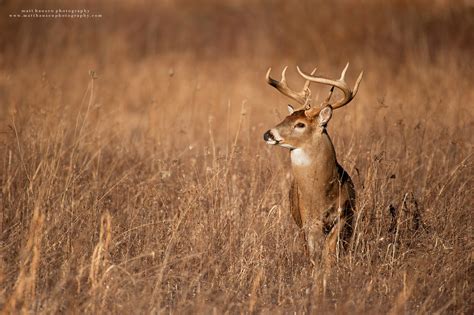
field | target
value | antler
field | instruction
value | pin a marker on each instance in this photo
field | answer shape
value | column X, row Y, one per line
column 303, row 97
column 339, row 83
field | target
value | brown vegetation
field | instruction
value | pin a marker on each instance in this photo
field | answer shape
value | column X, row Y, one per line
column 145, row 186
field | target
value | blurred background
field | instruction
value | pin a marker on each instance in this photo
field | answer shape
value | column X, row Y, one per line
column 196, row 57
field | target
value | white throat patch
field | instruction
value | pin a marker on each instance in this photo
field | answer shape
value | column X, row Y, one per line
column 300, row 158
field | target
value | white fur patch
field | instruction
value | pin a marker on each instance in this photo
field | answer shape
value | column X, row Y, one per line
column 276, row 134
column 271, row 141
column 300, row 158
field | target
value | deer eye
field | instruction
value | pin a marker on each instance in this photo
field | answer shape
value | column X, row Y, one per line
column 300, row 125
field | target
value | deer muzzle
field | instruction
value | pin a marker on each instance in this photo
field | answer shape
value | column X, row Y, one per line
column 272, row 137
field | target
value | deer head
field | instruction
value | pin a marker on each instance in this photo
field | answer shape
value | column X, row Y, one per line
column 307, row 121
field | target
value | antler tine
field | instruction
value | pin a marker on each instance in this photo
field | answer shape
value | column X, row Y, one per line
column 308, row 91
column 267, row 76
column 328, row 98
column 340, row 84
column 308, row 82
column 356, row 86
column 343, row 73
column 301, row 97
column 283, row 75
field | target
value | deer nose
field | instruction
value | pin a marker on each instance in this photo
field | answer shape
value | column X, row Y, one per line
column 267, row 136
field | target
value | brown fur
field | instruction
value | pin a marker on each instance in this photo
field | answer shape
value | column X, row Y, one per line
column 322, row 195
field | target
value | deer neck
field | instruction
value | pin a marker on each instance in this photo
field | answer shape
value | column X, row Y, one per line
column 315, row 166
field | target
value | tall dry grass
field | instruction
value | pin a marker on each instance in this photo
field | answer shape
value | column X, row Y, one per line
column 144, row 186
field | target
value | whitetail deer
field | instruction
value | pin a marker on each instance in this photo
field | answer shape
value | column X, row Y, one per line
column 322, row 195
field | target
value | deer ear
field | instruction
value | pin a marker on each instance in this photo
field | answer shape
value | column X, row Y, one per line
column 324, row 116
column 291, row 109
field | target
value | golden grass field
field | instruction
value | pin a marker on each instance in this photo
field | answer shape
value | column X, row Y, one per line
column 135, row 179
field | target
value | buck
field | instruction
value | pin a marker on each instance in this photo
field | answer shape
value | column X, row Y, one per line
column 322, row 195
